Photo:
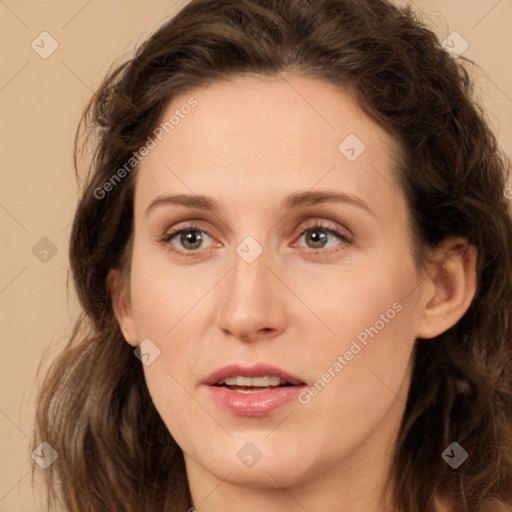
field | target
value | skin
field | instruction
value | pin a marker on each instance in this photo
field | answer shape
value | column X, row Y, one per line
column 248, row 144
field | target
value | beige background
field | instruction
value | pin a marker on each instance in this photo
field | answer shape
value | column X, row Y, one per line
column 40, row 105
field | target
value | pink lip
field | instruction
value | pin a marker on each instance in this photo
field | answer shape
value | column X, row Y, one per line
column 257, row 403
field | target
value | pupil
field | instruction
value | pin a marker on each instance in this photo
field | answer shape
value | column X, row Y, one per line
column 317, row 237
column 191, row 238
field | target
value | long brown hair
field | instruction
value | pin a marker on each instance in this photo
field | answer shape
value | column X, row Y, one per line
column 94, row 409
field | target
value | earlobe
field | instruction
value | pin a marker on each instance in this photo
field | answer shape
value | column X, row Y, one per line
column 121, row 306
column 451, row 288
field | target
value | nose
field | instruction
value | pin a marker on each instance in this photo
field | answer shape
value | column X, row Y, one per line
column 253, row 302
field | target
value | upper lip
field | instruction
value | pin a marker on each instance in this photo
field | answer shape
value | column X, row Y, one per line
column 258, row 370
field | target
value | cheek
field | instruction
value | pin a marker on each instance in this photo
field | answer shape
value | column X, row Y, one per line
column 356, row 298
column 362, row 356
column 166, row 303
column 164, row 294
column 172, row 307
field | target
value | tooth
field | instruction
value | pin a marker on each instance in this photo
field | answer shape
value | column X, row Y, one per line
column 253, row 390
column 261, row 381
column 243, row 381
column 264, row 381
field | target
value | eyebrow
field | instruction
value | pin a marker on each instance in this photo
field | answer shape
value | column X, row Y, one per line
column 292, row 202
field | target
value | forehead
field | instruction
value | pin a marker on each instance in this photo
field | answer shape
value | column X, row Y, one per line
column 273, row 110
column 254, row 133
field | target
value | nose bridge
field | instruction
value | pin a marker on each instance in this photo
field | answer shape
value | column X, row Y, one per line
column 249, row 279
column 250, row 302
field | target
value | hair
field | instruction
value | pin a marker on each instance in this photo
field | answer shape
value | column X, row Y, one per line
column 94, row 408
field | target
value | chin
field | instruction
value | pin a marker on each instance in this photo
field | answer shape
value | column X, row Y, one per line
column 274, row 475
column 270, row 471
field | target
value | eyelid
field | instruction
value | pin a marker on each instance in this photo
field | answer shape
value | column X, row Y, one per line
column 187, row 226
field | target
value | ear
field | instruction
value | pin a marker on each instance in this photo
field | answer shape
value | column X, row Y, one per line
column 448, row 289
column 121, row 304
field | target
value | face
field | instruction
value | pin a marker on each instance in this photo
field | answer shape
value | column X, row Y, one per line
column 272, row 239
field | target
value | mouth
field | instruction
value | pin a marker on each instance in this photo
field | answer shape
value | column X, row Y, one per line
column 252, row 391
column 241, row 384
column 252, row 377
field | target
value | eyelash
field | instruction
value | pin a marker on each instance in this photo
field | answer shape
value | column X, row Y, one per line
column 318, row 226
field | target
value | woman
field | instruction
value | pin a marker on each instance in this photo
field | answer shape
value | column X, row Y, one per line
column 294, row 256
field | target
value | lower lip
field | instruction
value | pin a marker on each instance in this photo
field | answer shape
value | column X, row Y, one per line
column 257, row 403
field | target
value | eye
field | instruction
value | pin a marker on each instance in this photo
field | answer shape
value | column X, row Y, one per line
column 319, row 236
column 186, row 239
column 319, row 239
